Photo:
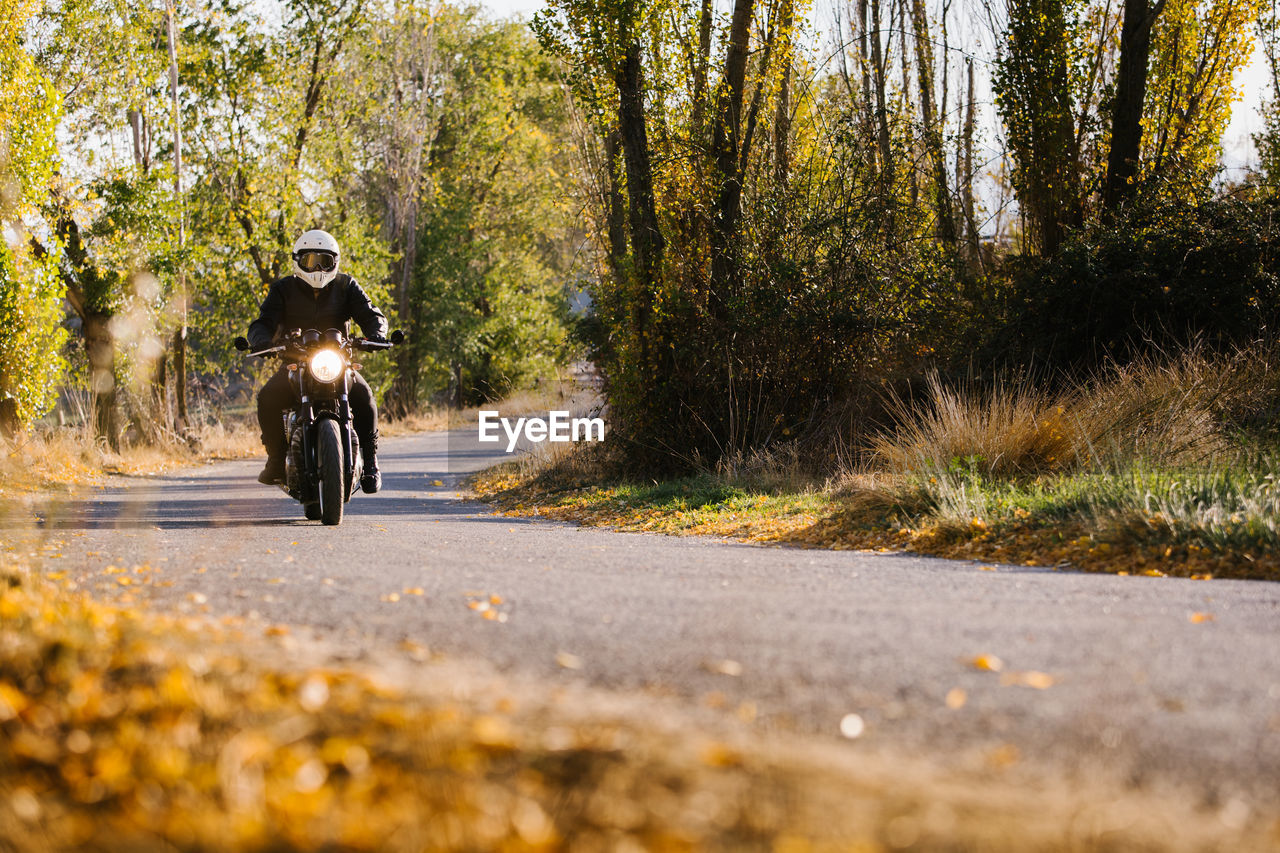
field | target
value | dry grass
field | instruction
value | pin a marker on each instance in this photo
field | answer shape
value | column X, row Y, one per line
column 429, row 420
column 63, row 457
column 1165, row 413
column 555, row 394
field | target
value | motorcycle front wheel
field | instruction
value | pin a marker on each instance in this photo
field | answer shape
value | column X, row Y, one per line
column 329, row 462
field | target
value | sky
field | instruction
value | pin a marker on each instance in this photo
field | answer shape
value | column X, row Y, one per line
column 1238, row 149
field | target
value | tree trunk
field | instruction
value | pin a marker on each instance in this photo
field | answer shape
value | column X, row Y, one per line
column 931, row 123
column 10, row 423
column 647, row 241
column 966, row 178
column 1131, row 92
column 724, row 146
column 615, row 205
column 180, row 336
column 702, row 66
column 403, row 395
column 100, row 347
column 782, row 114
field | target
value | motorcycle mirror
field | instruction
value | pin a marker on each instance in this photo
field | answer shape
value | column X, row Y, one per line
column 241, row 344
column 397, row 337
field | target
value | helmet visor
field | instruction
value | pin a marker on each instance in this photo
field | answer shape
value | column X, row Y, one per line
column 314, row 260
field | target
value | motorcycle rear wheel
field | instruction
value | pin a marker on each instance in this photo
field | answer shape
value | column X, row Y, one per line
column 329, row 463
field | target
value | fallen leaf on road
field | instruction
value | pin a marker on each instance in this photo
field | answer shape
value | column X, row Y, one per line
column 1030, row 678
column 437, row 482
column 568, row 661
column 956, row 697
column 987, row 663
column 720, row 755
column 1199, row 616
column 413, row 590
column 416, row 651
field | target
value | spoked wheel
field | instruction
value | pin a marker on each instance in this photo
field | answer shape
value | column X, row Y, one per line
column 329, row 463
column 312, row 511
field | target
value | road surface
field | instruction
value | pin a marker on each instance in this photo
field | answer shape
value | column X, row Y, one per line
column 1155, row 679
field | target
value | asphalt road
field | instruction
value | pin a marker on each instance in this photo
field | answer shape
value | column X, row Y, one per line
column 796, row 639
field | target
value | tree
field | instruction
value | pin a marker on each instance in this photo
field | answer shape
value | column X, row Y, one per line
column 31, row 363
column 1033, row 83
column 1130, row 97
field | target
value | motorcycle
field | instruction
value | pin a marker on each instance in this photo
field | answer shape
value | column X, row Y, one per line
column 322, row 465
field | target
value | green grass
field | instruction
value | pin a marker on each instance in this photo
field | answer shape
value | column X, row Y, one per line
column 1220, row 518
column 1217, row 506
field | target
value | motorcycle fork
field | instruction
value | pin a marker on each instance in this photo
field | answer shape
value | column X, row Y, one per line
column 306, row 420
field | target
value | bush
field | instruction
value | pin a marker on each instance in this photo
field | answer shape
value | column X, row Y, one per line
column 1154, row 281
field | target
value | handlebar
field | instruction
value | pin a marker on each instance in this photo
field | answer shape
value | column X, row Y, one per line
column 362, row 344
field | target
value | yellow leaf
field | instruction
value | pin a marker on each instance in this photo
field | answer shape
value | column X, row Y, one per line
column 956, row 697
column 987, row 663
column 12, row 702
column 1198, row 617
column 720, row 755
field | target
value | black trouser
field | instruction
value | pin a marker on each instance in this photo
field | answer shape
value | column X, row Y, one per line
column 278, row 394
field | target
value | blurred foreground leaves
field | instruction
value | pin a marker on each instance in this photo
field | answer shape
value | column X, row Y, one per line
column 123, row 729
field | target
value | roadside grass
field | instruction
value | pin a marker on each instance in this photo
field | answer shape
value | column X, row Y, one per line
column 125, row 729
column 45, row 458
column 1188, row 522
column 1152, row 469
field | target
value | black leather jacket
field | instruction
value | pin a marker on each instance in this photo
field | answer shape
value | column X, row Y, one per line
column 293, row 304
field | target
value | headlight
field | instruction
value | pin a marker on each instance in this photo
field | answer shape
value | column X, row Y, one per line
column 326, row 365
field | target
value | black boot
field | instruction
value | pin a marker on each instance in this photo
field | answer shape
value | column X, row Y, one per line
column 371, row 479
column 273, row 473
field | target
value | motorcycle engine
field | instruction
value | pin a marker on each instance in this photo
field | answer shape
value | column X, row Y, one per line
column 293, row 462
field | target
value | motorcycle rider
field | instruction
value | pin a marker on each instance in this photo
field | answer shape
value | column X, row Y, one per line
column 315, row 296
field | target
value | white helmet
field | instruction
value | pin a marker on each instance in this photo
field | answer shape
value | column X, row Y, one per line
column 315, row 258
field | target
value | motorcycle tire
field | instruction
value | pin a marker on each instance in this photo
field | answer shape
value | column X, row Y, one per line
column 311, row 511
column 329, row 465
